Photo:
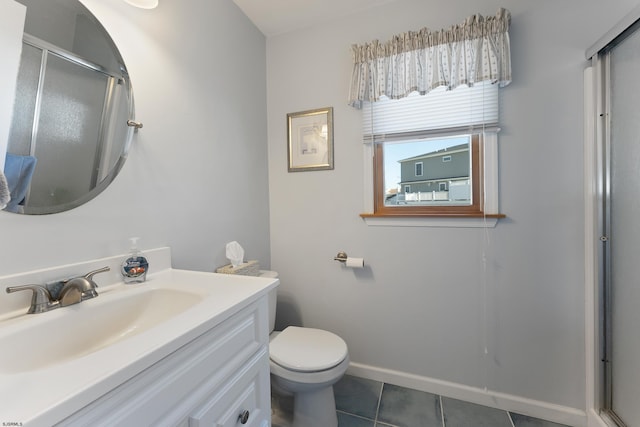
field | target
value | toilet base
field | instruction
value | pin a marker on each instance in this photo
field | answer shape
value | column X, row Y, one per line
column 315, row 408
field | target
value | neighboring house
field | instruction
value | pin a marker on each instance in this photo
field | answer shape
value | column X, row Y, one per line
column 441, row 175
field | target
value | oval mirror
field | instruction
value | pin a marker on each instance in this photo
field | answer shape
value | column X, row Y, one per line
column 69, row 135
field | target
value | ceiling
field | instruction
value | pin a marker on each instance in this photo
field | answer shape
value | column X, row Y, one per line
column 275, row 17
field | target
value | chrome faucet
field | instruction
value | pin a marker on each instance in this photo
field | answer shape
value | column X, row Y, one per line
column 41, row 300
column 73, row 291
column 79, row 288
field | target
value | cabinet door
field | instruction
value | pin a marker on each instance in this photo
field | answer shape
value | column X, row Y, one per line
column 243, row 401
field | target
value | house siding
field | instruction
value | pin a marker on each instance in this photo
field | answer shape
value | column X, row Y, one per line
column 434, row 170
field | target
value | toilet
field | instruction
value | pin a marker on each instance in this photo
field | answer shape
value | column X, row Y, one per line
column 306, row 362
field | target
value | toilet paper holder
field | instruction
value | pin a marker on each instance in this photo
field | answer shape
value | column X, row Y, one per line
column 342, row 257
column 348, row 261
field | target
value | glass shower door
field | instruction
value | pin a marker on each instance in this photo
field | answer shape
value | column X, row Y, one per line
column 68, row 131
column 623, row 289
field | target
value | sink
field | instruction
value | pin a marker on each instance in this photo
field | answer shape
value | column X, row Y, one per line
column 54, row 364
column 68, row 333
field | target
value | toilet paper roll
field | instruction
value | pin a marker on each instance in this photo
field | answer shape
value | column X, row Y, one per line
column 355, row 262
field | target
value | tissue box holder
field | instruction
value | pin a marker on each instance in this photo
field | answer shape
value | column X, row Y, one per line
column 249, row 268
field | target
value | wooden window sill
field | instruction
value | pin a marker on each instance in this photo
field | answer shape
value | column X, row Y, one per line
column 467, row 220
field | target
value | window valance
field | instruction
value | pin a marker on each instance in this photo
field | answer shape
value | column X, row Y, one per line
column 474, row 51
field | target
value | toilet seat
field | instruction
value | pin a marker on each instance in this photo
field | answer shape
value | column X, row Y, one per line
column 307, row 349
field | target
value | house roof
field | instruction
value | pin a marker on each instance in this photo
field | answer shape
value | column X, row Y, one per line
column 441, row 152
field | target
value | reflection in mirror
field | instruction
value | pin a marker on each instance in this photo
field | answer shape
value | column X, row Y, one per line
column 69, row 135
column 428, row 172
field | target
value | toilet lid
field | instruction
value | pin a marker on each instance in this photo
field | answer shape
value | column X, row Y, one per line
column 307, row 349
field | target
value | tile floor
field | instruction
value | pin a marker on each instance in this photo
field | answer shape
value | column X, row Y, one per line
column 362, row 402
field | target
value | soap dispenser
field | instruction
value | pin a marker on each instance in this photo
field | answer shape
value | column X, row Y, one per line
column 134, row 268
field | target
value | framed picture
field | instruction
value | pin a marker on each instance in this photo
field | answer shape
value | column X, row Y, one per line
column 310, row 140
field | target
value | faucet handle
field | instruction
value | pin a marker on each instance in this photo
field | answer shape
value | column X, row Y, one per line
column 89, row 276
column 40, row 300
column 90, row 285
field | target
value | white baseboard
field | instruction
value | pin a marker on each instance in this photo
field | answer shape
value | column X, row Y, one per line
column 507, row 402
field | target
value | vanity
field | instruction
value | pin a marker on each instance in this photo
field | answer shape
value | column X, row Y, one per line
column 183, row 348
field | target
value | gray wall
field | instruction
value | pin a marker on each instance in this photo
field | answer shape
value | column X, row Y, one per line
column 426, row 304
column 196, row 177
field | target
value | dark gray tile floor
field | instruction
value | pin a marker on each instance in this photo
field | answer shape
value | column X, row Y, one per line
column 362, row 402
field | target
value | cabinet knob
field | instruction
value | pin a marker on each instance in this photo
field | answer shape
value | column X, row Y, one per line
column 244, row 417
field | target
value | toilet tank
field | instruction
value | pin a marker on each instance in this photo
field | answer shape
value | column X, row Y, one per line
column 273, row 298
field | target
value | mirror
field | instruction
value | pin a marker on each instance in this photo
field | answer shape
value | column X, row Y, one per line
column 69, row 135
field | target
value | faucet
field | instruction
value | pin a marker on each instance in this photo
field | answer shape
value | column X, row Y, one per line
column 79, row 288
column 41, row 300
column 73, row 291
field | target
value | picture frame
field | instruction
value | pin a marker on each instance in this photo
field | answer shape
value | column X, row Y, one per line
column 310, row 140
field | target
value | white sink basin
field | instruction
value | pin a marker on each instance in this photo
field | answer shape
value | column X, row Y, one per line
column 68, row 333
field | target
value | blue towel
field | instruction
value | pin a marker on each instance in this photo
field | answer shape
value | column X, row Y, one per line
column 5, row 194
column 19, row 171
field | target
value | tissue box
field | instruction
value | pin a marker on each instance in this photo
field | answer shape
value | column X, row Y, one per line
column 249, row 268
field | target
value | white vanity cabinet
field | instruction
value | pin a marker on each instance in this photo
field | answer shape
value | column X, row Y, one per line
column 219, row 378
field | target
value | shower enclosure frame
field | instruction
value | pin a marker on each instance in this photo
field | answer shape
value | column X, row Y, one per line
column 597, row 174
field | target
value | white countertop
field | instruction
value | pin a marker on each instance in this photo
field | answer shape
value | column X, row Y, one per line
column 45, row 396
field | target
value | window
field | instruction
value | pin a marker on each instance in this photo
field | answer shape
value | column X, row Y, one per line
column 430, row 152
column 428, row 193
column 401, row 85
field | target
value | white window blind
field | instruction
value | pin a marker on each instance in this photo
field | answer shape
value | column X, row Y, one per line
column 463, row 109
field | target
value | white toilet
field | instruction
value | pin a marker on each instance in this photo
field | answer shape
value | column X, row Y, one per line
column 306, row 362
